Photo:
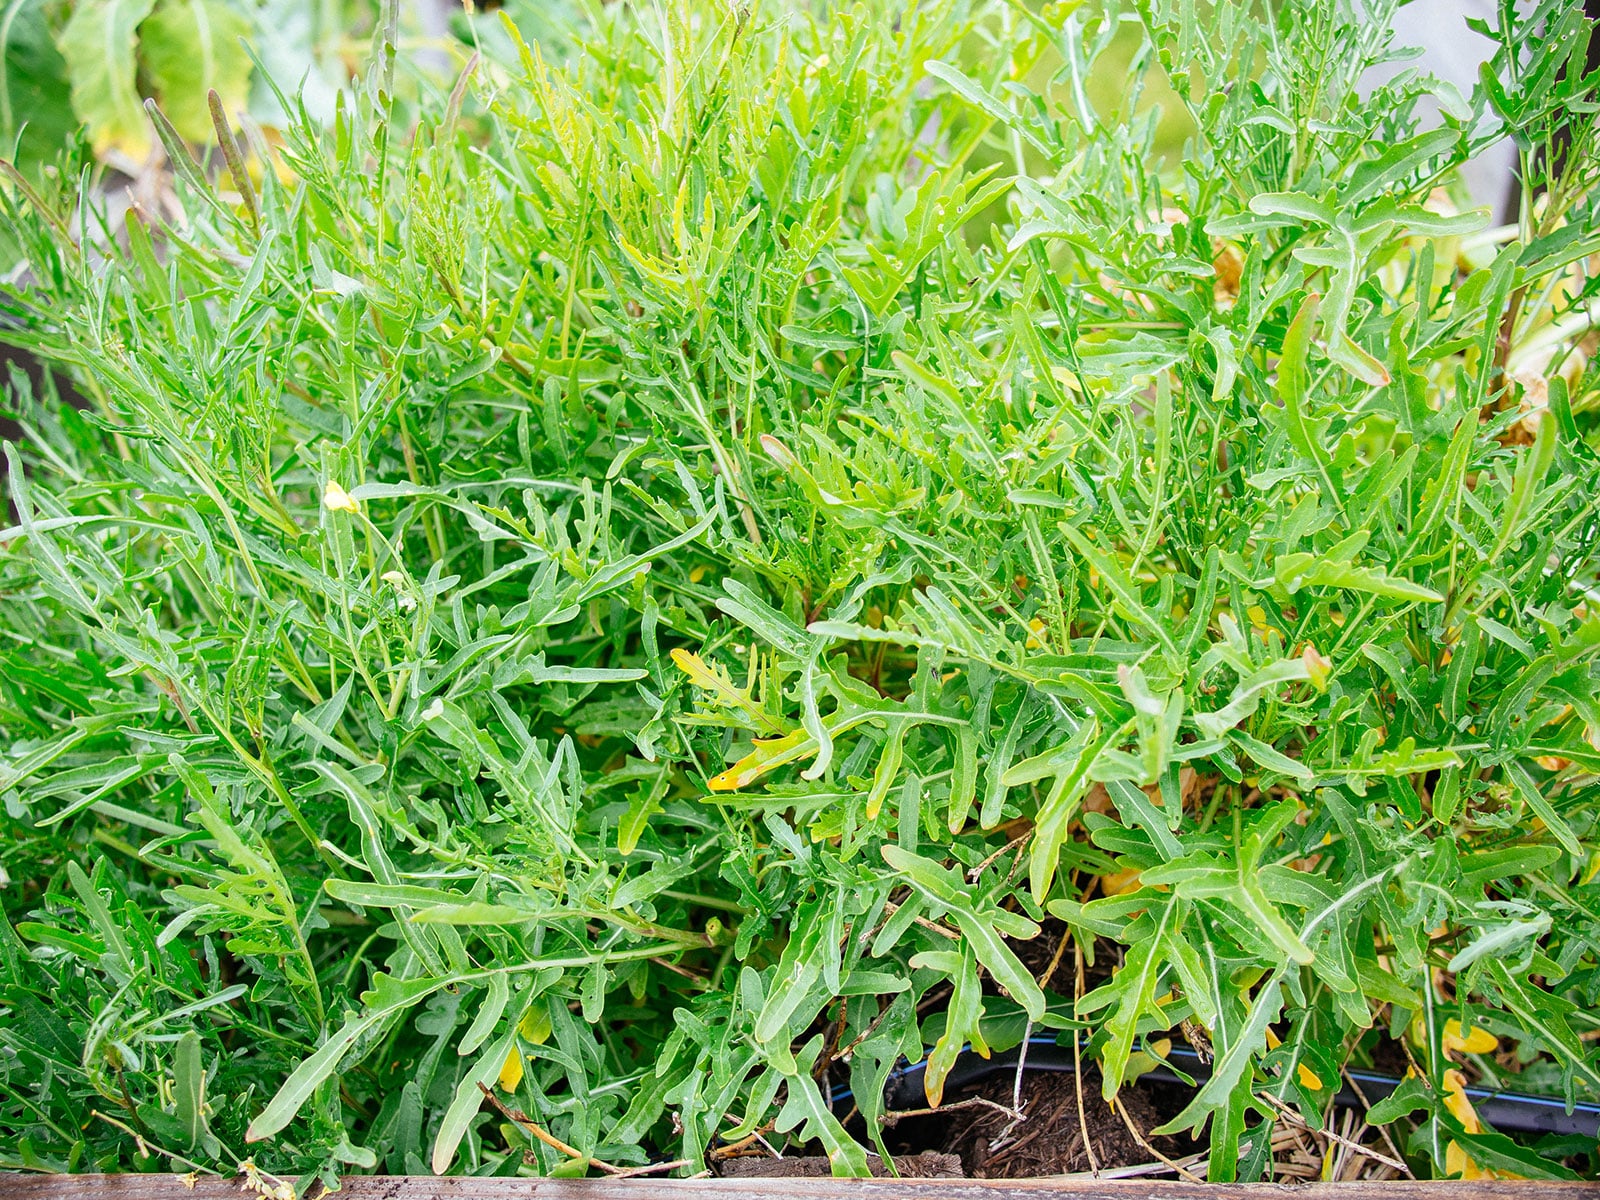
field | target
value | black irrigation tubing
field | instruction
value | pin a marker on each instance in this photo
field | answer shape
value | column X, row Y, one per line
column 1508, row 1112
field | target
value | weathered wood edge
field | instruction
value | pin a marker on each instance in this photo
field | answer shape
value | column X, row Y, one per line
column 423, row 1187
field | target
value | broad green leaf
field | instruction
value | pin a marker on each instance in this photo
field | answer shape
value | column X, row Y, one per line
column 1396, row 162
column 1234, row 1062
column 798, row 972
column 982, row 100
column 978, row 927
column 1246, row 697
column 1543, row 1015
column 535, row 671
column 99, row 43
column 1544, row 810
column 999, row 765
column 1295, row 205
column 1131, row 993
column 1273, row 760
column 963, row 1022
column 1498, row 1152
column 1070, row 765
column 1532, row 467
column 806, row 1110
column 1500, row 939
column 468, row 1099
column 766, row 622
column 388, row 998
column 1294, row 385
column 188, row 1086
column 34, row 89
column 488, row 1017
column 189, row 48
column 1444, row 490
column 1296, row 571
column 964, row 777
column 646, row 802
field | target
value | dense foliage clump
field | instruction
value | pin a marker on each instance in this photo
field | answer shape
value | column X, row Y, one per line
column 643, row 582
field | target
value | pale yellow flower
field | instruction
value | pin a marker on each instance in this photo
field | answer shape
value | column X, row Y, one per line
column 337, row 499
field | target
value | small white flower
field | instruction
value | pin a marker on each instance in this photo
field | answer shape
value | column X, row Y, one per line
column 402, row 594
column 336, row 498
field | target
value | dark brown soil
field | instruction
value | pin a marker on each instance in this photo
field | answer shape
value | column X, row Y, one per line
column 1038, row 953
column 1049, row 1141
column 1390, row 1057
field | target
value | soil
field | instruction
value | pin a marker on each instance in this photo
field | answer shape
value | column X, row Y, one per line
column 981, row 1141
column 1049, row 1142
column 1038, row 953
column 1389, row 1057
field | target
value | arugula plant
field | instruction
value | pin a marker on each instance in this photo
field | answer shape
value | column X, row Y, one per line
column 643, row 591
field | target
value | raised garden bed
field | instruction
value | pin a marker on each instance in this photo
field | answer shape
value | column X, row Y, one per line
column 582, row 623
column 166, row 1187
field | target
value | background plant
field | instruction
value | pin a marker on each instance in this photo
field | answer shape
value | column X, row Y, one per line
column 643, row 589
column 93, row 63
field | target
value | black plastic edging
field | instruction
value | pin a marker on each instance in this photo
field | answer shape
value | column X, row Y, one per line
column 1506, row 1111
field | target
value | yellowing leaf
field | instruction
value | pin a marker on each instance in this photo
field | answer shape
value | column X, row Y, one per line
column 1477, row 1041
column 535, row 1023
column 767, row 756
column 1457, row 1164
column 1119, row 883
column 1456, row 1159
column 1318, row 668
column 1455, row 1099
column 99, row 44
column 699, row 674
column 190, row 47
column 1309, row 1078
column 1142, row 1063
column 511, row 1070
column 709, row 679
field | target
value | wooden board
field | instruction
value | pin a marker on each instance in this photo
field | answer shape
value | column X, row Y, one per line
column 421, row 1187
